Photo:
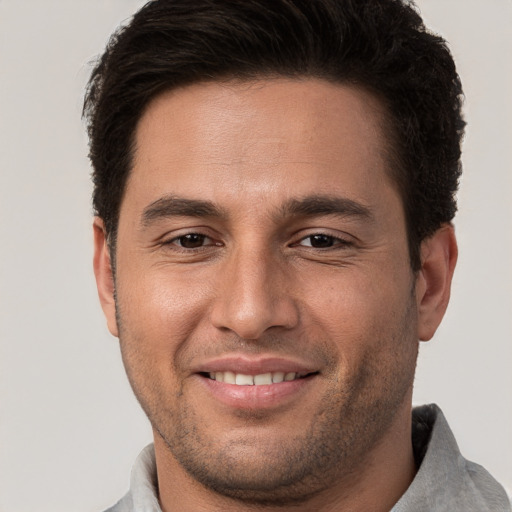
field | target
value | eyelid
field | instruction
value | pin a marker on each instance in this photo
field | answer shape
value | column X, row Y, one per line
column 341, row 240
column 170, row 239
column 340, row 237
column 337, row 241
column 173, row 241
column 212, row 239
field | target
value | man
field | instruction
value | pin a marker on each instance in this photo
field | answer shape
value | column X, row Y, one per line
column 274, row 190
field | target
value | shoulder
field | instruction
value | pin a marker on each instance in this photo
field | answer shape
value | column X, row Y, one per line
column 143, row 493
column 125, row 504
column 445, row 480
column 491, row 492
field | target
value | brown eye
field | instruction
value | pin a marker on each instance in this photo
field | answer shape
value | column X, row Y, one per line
column 324, row 241
column 319, row 241
column 191, row 240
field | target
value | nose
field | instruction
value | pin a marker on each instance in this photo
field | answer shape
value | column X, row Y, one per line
column 254, row 294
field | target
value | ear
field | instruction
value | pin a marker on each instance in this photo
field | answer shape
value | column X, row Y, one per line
column 104, row 275
column 433, row 284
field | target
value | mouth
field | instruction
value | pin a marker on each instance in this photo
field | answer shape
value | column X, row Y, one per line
column 261, row 379
column 257, row 384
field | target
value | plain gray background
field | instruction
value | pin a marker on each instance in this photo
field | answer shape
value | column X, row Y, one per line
column 69, row 425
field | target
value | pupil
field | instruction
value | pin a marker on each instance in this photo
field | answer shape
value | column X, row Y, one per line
column 321, row 241
column 192, row 241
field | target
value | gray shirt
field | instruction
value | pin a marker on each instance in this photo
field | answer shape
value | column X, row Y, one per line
column 445, row 481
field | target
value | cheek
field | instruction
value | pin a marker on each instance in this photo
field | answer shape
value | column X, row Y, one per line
column 159, row 308
column 357, row 313
column 157, row 315
column 347, row 301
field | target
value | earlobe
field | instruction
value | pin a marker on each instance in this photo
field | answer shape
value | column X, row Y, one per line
column 104, row 275
column 433, row 284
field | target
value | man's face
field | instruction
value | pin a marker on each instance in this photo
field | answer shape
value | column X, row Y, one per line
column 260, row 238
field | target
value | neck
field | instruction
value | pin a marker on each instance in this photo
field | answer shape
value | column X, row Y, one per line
column 379, row 482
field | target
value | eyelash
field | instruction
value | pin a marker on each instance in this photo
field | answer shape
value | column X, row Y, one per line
column 333, row 242
column 173, row 241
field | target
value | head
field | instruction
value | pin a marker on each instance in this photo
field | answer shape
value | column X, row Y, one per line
column 274, row 181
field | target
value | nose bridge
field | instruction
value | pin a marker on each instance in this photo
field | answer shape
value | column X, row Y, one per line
column 253, row 293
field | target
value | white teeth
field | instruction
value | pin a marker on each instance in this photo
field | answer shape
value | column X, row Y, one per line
column 244, row 380
column 229, row 377
column 277, row 377
column 263, row 379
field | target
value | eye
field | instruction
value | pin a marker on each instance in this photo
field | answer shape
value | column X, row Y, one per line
column 191, row 241
column 322, row 241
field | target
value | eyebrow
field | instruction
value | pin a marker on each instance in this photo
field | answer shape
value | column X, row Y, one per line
column 309, row 206
column 317, row 205
column 173, row 206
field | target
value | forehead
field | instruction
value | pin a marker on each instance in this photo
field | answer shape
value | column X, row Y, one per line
column 264, row 139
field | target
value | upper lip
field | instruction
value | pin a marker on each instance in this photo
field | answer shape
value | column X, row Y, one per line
column 255, row 366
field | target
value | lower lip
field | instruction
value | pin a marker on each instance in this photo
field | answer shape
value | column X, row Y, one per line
column 257, row 397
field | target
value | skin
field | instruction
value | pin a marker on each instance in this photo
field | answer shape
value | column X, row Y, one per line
column 328, row 288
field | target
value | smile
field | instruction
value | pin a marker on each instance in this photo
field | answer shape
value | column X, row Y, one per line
column 261, row 383
column 263, row 379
